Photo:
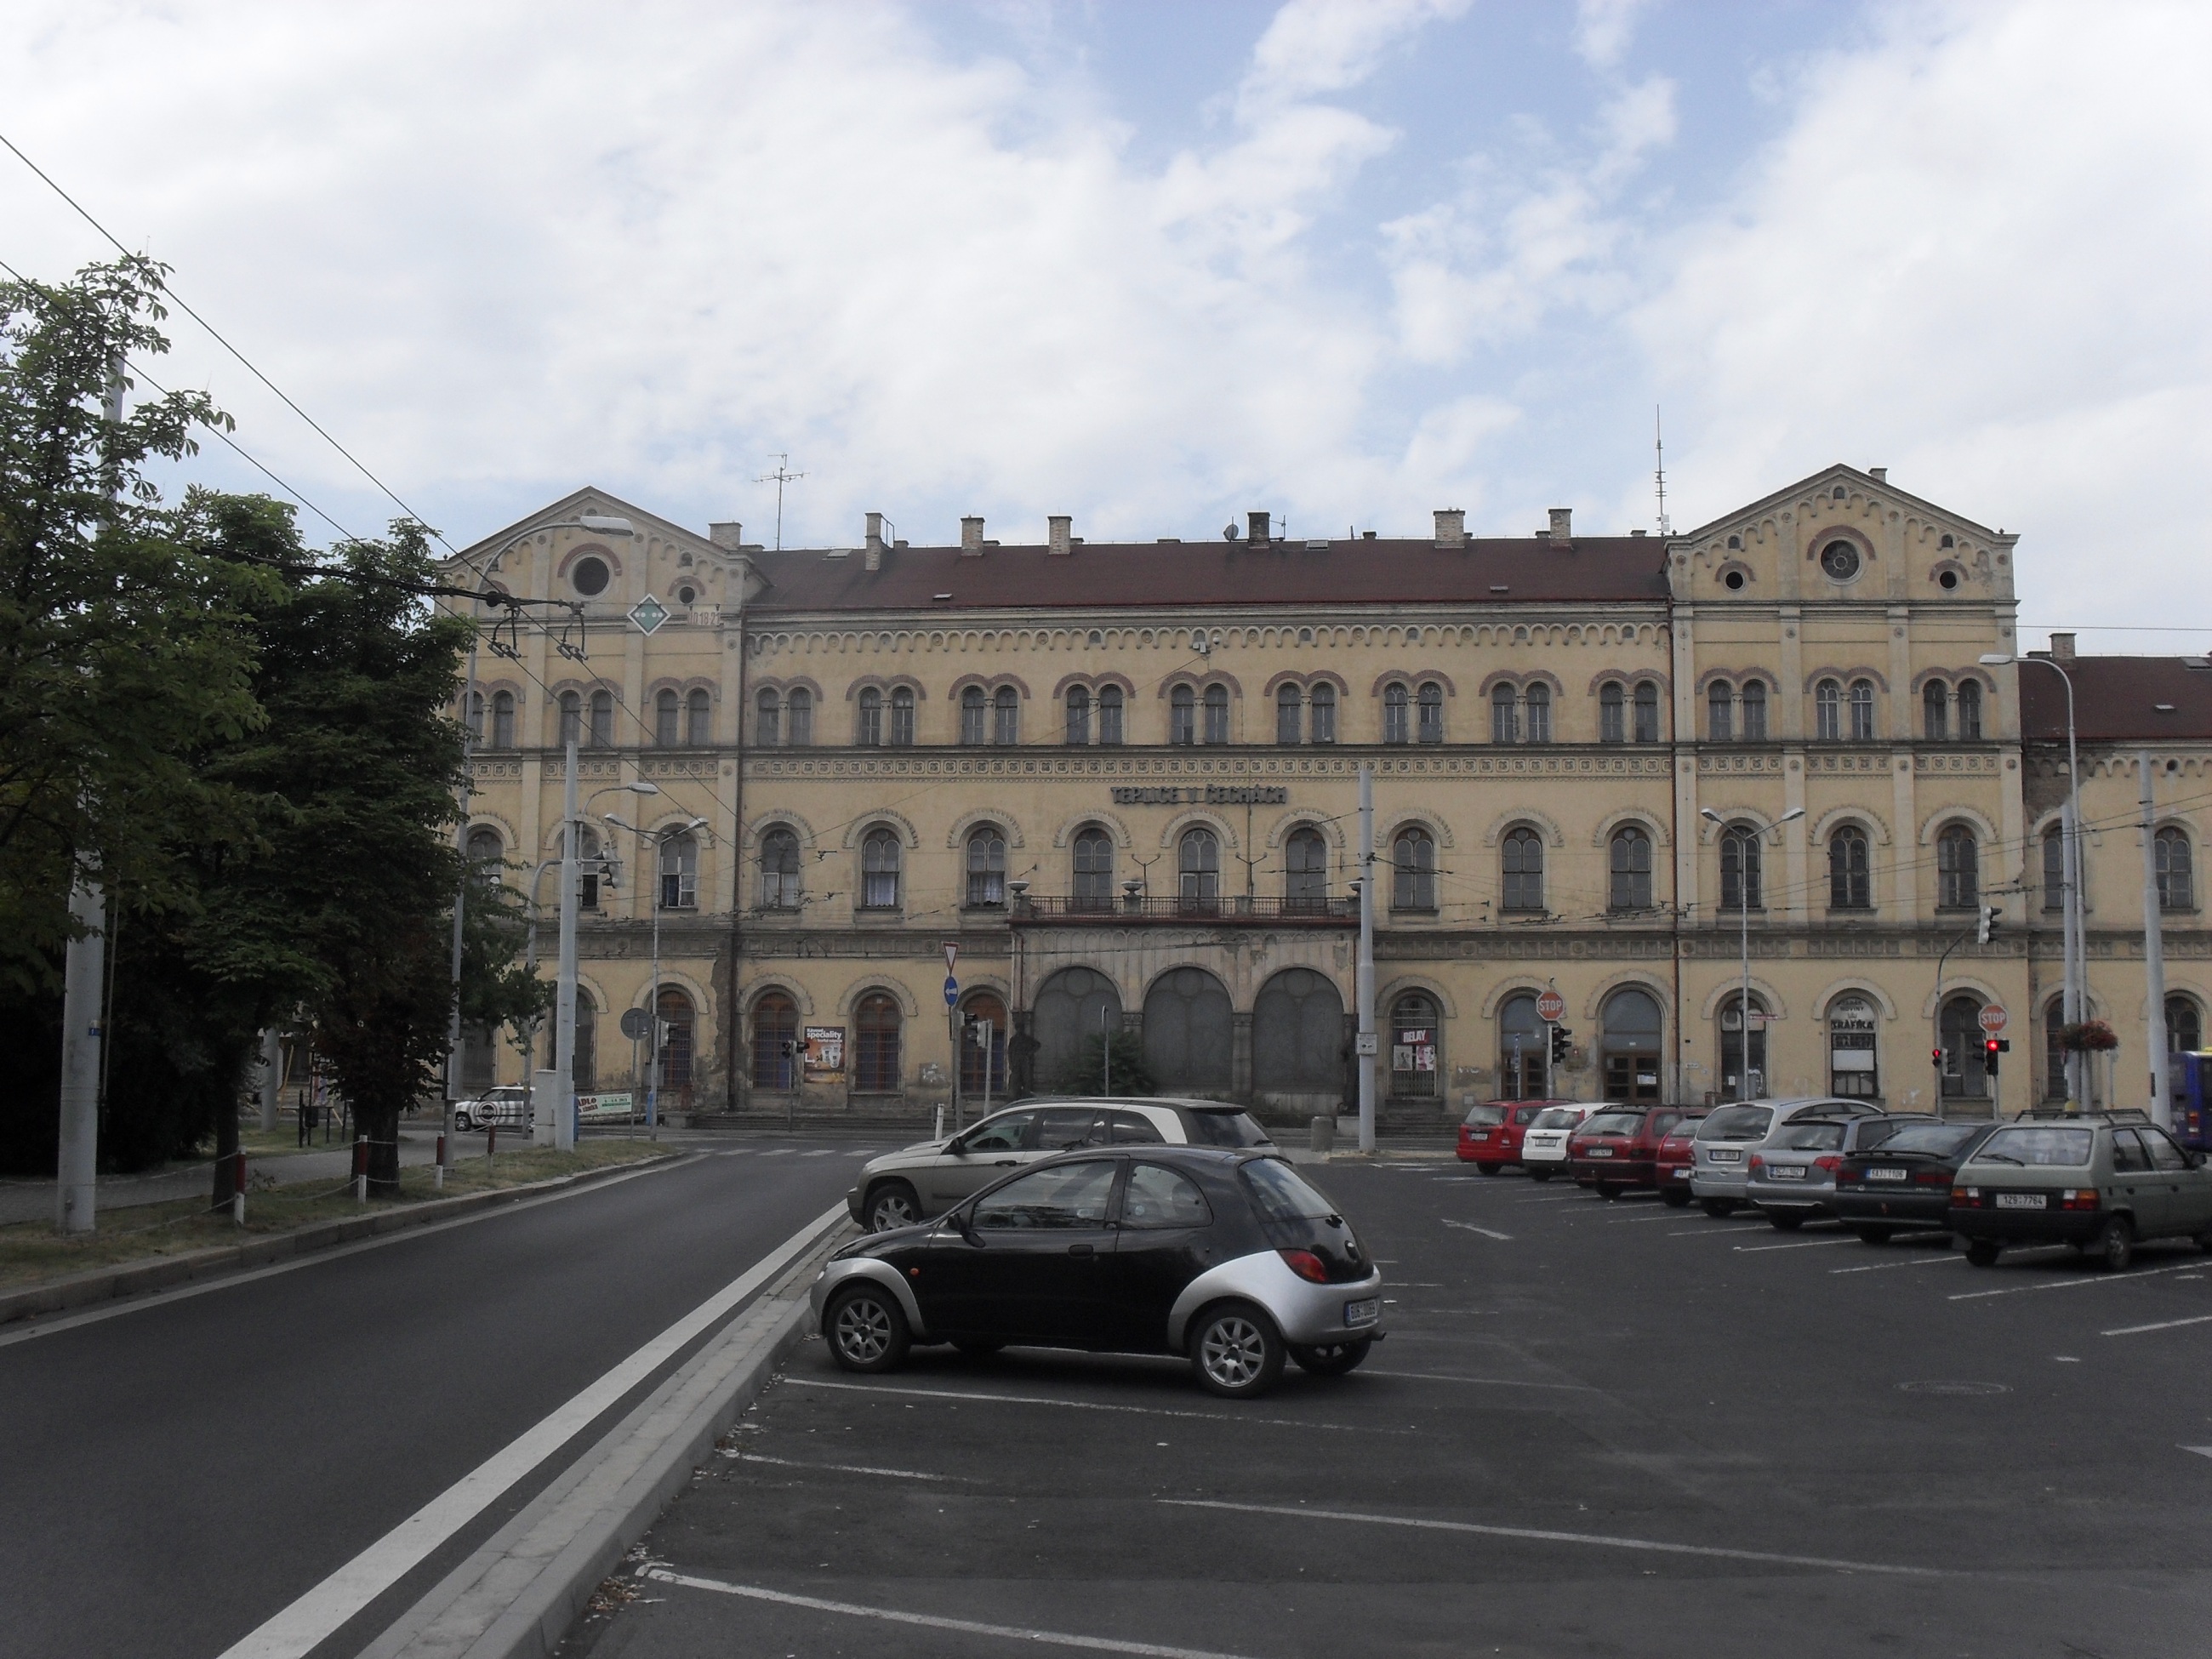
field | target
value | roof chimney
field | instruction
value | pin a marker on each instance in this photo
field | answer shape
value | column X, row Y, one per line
column 874, row 561
column 1879, row 474
column 1451, row 526
column 1255, row 528
column 1562, row 524
column 1058, row 538
column 971, row 536
column 729, row 536
column 2061, row 646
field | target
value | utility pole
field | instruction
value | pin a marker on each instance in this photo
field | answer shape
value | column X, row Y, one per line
column 2162, row 1096
column 1363, row 974
column 564, row 1002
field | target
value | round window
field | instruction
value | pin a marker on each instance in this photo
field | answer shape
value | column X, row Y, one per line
column 686, row 595
column 1947, row 581
column 1732, row 581
column 1840, row 560
column 588, row 576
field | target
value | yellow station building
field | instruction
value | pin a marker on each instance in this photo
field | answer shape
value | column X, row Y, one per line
column 1122, row 780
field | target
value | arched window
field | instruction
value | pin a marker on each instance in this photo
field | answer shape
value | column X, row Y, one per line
column 1755, row 712
column 1849, row 884
column 1612, row 726
column 1305, row 872
column 680, row 872
column 1852, row 1071
column 2184, row 1026
column 472, row 715
column 1961, row 1032
column 1504, row 727
column 1969, row 711
column 1288, row 709
column 1958, row 870
column 1629, row 1039
column 1070, row 1017
column 584, row 1069
column 1324, row 714
column 1934, row 712
column 678, row 1028
column 698, row 720
column 1720, row 712
column 1396, row 703
column 902, row 732
column 779, row 870
column 1416, row 1037
column 2054, row 1051
column 667, row 719
column 2054, row 869
column 1297, row 1040
column 799, row 713
column 973, row 715
column 1094, row 869
column 572, row 718
column 1183, row 715
column 775, row 1041
column 1430, row 700
column 1413, row 869
column 987, row 867
column 1521, row 863
column 2177, row 885
column 1631, row 869
column 486, row 850
column 870, row 733
column 1190, row 1029
column 1539, row 714
column 1523, row 1049
column 1742, row 1079
column 1216, row 714
column 502, row 720
column 1647, row 712
column 982, row 1047
column 603, row 719
column 1828, row 711
column 1078, row 715
column 1007, row 716
column 1740, row 867
column 1198, row 860
column 880, row 871
column 768, row 720
column 876, row 1046
column 1861, row 711
column 1110, row 715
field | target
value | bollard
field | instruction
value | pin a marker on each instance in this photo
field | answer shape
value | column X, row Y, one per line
column 361, row 1170
column 439, row 1180
column 238, row 1192
column 1322, row 1137
column 491, row 1143
column 936, row 1129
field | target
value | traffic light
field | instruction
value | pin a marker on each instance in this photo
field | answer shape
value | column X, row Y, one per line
column 1988, row 925
column 1991, row 1047
column 1559, row 1035
column 1938, row 1055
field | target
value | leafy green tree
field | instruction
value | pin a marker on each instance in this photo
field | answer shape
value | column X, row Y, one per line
column 1087, row 1072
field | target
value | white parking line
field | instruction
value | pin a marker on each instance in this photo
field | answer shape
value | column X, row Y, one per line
column 847, row 1468
column 1304, row 1512
column 826, row 1152
column 2201, row 1451
column 780, row 1151
column 867, row 1151
column 1918, row 1261
column 1489, row 1382
column 2071, row 1284
column 1086, row 1405
column 1801, row 1244
column 965, row 1626
column 1638, row 1220
column 2162, row 1325
column 1487, row 1232
column 1560, row 1198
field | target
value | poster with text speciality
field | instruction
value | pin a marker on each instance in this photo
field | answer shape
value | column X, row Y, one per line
column 825, row 1053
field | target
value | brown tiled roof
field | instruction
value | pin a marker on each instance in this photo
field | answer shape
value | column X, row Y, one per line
column 2118, row 700
column 1109, row 575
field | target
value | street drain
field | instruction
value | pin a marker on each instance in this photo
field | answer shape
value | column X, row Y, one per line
column 1954, row 1388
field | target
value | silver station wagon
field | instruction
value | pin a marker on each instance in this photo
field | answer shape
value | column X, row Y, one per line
column 1721, row 1154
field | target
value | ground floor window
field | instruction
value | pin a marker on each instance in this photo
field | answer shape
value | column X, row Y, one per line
column 1415, row 1040
column 775, row 1039
column 1964, row 1075
column 1630, row 1033
column 1851, row 1049
column 982, row 1048
column 1742, row 1077
column 1524, row 1043
column 678, row 1028
column 876, row 1046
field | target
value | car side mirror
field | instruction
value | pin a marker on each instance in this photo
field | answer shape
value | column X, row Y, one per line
column 2196, row 1160
column 964, row 1222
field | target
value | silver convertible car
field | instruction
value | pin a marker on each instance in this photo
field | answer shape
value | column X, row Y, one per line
column 912, row 1185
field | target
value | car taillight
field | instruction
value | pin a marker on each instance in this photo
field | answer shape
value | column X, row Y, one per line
column 1757, row 1162
column 1829, row 1161
column 1930, row 1178
column 2081, row 1197
column 1306, row 1265
column 1966, row 1198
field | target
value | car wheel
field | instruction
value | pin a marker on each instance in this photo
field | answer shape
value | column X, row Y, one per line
column 977, row 1347
column 1674, row 1198
column 866, row 1328
column 1491, row 1169
column 1535, row 1174
column 1331, row 1358
column 1873, row 1235
column 2116, row 1245
column 1608, row 1189
column 1983, row 1252
column 893, row 1205
column 1719, row 1208
column 1234, row 1351
column 1785, row 1221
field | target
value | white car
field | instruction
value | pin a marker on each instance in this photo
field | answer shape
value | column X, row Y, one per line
column 507, row 1107
column 1544, row 1148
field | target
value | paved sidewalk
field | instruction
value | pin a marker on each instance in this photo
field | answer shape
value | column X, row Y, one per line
column 34, row 1200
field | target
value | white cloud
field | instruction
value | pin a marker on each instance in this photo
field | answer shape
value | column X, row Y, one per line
column 1604, row 28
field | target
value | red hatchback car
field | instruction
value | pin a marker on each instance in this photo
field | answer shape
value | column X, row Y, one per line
column 1491, row 1138
column 1618, row 1149
column 1675, row 1158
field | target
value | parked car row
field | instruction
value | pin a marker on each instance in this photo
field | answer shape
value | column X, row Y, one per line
column 2100, row 1182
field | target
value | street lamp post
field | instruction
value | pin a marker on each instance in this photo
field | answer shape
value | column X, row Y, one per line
column 1743, row 840
column 2076, row 991
column 564, row 1000
column 658, row 839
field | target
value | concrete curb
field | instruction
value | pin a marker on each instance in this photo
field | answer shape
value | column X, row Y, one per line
column 133, row 1279
column 522, row 1592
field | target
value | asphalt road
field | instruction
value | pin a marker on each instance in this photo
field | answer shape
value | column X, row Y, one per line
column 171, row 1476
column 1596, row 1429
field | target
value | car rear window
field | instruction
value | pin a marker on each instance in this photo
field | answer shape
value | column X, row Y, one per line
column 1225, row 1129
column 1558, row 1117
column 1811, row 1138
column 1738, row 1123
column 1486, row 1117
column 2039, row 1146
column 1614, row 1123
column 1685, row 1128
column 1940, row 1139
column 1284, row 1194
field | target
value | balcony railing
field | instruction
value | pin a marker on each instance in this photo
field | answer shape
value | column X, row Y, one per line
column 1237, row 908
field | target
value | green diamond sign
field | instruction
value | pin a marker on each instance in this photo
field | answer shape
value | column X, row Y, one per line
column 648, row 613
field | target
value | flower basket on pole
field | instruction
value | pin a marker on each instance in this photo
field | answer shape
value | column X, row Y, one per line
column 2087, row 1036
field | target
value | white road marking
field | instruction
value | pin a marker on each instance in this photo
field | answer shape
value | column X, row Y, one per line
column 2201, row 1451
column 2162, row 1325
column 315, row 1616
column 1304, row 1512
column 780, row 1151
column 1638, row 1220
column 865, row 1152
column 336, row 1253
column 1801, row 1244
column 2067, row 1284
column 1493, row 1382
column 1560, row 1198
column 1487, row 1232
column 1917, row 1262
column 847, row 1468
column 825, row 1152
column 929, row 1620
column 1086, row 1406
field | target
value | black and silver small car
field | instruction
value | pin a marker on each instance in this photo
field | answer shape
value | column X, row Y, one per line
column 1229, row 1257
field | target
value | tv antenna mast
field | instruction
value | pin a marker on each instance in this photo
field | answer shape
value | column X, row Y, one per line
column 782, row 476
column 1659, row 473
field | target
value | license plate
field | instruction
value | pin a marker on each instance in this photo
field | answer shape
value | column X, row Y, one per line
column 1682, row 1174
column 1889, row 1174
column 1598, row 1151
column 1785, row 1171
column 1724, row 1155
column 2021, row 1202
column 1363, row 1313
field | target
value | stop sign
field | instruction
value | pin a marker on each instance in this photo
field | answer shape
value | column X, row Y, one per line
column 1993, row 1019
column 1550, row 1006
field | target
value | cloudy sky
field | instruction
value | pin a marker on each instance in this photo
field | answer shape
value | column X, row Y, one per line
column 1155, row 264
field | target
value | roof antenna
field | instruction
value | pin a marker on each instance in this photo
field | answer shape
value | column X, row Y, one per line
column 1659, row 450
column 782, row 476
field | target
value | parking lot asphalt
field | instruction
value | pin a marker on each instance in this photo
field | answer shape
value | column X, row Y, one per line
column 1596, row 1428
